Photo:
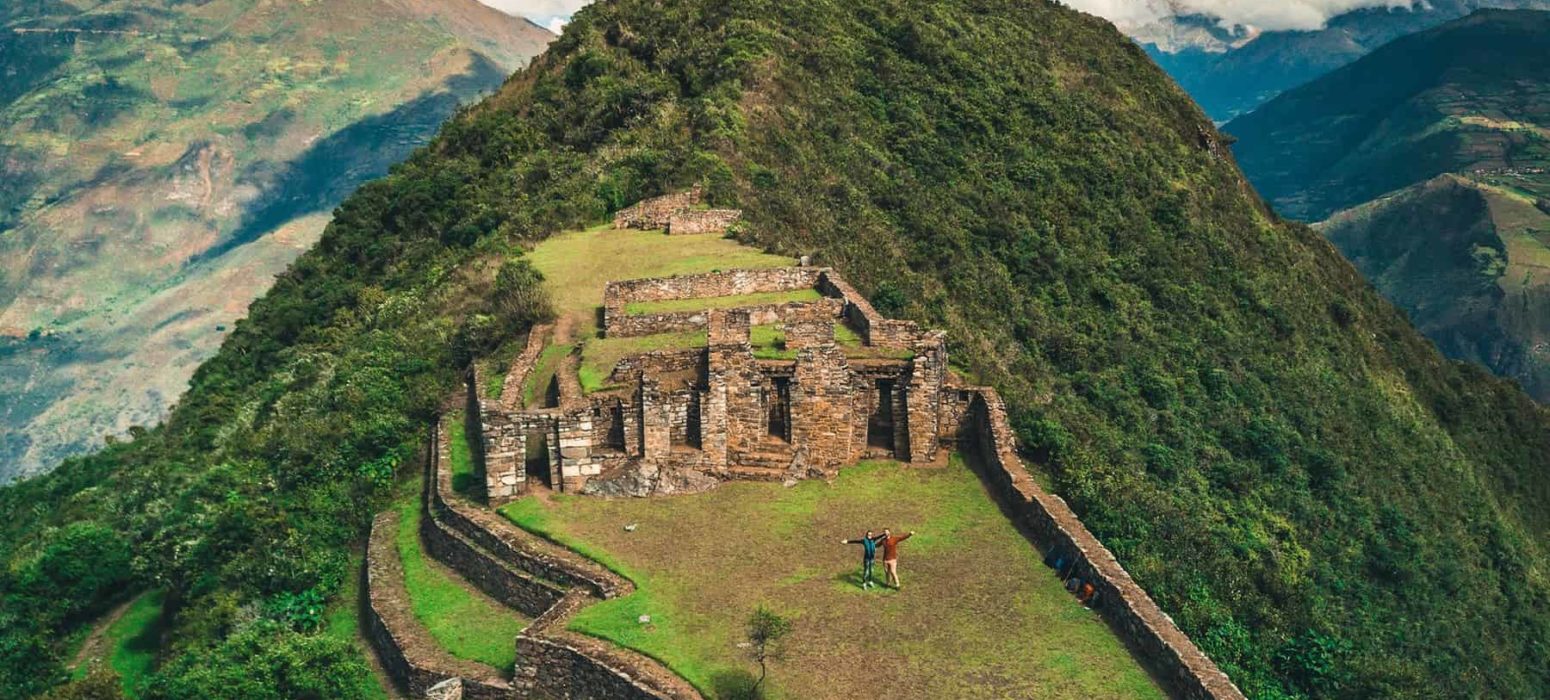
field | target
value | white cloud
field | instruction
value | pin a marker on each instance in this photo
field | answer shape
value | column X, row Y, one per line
column 548, row 13
column 1129, row 15
column 1263, row 15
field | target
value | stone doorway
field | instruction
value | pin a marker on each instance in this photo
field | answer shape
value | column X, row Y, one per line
column 879, row 424
column 536, row 464
column 779, row 406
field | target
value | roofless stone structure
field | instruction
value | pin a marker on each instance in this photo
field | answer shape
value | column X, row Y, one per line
column 680, row 419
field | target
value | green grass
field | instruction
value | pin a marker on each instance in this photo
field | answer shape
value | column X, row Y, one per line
column 343, row 622
column 537, row 381
column 769, row 343
column 724, row 302
column 465, row 474
column 467, row 625
column 579, row 264
column 979, row 615
column 133, row 640
column 600, row 355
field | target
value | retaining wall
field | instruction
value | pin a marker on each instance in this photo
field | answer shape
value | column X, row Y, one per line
column 698, row 221
column 401, row 643
column 1135, row 617
column 656, row 212
column 627, row 325
column 710, row 284
column 489, row 531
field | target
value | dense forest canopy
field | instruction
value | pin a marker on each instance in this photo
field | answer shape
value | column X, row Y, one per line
column 1295, row 474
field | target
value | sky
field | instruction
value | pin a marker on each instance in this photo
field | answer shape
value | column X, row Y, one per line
column 549, row 13
column 1262, row 15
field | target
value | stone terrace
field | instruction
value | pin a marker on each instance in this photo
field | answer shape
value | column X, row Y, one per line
column 679, row 420
column 685, row 419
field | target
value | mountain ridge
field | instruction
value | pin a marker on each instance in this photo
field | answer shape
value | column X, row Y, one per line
column 1296, row 476
column 208, row 128
column 1232, row 79
column 1433, row 182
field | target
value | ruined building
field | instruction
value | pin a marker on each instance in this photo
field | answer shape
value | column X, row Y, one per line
column 804, row 405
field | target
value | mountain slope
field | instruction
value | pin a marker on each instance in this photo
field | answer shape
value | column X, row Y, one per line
column 1465, row 254
column 1294, row 473
column 1466, row 97
column 1469, row 262
column 164, row 160
column 1230, row 77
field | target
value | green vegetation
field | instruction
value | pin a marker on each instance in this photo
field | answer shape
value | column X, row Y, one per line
column 579, row 264
column 131, row 642
column 1469, row 95
column 550, row 360
column 1011, row 630
column 466, row 478
column 225, row 132
column 1321, row 500
column 464, row 622
column 726, row 302
column 599, row 355
column 1460, row 132
column 342, row 622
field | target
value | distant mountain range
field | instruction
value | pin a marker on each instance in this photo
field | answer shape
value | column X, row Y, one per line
column 1231, row 72
column 161, row 161
column 1430, row 161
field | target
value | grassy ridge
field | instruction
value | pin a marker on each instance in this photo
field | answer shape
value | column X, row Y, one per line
column 703, row 563
column 1294, row 472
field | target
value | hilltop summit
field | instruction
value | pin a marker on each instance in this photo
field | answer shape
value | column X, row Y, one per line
column 1295, row 475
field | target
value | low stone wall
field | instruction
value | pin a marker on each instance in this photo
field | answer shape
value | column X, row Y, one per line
column 626, row 325
column 491, row 532
column 403, row 646
column 1177, row 662
column 699, row 221
column 511, row 391
column 710, row 284
column 657, row 212
column 496, row 578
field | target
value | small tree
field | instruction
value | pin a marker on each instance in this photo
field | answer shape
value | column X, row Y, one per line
column 766, row 629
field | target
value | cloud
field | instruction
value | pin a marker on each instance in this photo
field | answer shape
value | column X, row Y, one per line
column 549, row 13
column 1263, row 15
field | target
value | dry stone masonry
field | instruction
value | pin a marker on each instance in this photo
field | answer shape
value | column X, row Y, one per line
column 685, row 420
column 530, row 575
column 680, row 214
column 682, row 420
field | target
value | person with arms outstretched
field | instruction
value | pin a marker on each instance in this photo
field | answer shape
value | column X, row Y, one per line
column 891, row 556
column 868, row 554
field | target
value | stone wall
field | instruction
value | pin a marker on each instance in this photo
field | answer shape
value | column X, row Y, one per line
column 478, row 545
column 619, row 294
column 492, row 533
column 404, row 647
column 627, row 325
column 698, row 221
column 657, row 212
column 496, row 578
column 1134, row 616
column 537, row 338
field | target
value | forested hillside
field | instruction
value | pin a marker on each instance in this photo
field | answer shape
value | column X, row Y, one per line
column 1326, row 505
column 161, row 161
column 1453, row 150
column 1230, row 77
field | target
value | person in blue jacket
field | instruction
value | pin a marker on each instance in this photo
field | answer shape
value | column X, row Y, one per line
column 868, row 555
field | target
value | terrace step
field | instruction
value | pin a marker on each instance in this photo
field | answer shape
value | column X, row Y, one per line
column 748, row 473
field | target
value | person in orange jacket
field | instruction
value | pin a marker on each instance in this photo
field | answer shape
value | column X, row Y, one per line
column 891, row 556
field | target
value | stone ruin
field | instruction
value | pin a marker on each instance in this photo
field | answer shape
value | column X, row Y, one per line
column 685, row 420
column 680, row 214
column 682, row 420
